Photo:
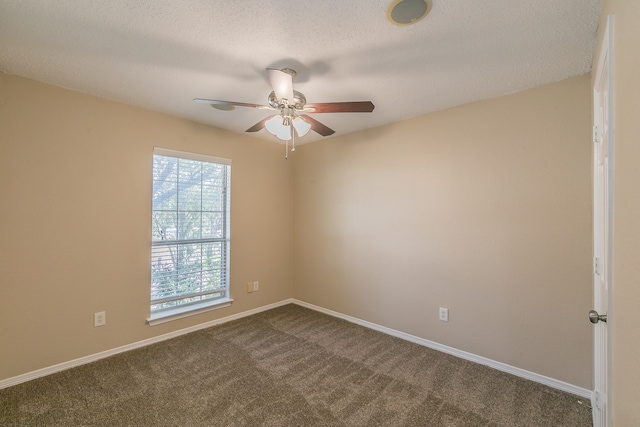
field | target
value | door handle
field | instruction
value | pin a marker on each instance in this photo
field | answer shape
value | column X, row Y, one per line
column 594, row 317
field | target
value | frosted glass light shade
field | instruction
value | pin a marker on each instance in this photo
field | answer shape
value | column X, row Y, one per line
column 275, row 127
column 302, row 127
column 273, row 124
column 284, row 133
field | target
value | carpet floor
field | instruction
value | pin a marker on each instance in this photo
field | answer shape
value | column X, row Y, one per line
column 289, row 366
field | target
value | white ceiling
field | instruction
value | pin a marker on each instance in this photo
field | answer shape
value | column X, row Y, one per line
column 160, row 54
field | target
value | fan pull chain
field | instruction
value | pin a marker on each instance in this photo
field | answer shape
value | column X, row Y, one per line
column 293, row 144
column 293, row 139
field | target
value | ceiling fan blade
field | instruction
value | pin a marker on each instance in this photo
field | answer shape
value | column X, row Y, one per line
column 224, row 105
column 318, row 127
column 340, row 107
column 258, row 126
column 282, row 84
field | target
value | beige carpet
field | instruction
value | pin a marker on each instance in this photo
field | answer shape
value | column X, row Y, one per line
column 287, row 367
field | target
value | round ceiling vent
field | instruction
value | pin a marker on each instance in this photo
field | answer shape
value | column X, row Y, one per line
column 408, row 12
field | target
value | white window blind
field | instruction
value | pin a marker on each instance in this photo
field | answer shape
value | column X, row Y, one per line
column 190, row 229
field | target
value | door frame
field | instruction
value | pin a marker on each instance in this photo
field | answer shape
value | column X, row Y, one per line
column 603, row 211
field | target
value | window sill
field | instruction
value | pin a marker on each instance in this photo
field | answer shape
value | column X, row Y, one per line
column 182, row 312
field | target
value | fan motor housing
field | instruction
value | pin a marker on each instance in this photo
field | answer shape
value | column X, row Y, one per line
column 298, row 102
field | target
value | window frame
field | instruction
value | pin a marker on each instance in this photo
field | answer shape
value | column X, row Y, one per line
column 193, row 308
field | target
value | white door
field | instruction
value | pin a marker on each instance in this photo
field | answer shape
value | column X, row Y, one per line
column 602, row 218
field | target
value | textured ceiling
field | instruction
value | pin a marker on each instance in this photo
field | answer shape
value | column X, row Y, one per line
column 160, row 54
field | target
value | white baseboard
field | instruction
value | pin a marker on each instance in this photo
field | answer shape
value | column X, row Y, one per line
column 560, row 385
column 551, row 382
column 103, row 354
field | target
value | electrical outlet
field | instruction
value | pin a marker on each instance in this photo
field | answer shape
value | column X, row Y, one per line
column 256, row 286
column 99, row 319
column 250, row 287
column 444, row 314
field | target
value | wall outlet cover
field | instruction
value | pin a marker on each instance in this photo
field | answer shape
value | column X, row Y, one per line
column 99, row 319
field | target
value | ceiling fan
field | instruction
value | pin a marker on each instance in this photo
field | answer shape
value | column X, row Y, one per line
column 292, row 108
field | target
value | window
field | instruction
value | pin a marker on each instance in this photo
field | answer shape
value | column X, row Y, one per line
column 190, row 234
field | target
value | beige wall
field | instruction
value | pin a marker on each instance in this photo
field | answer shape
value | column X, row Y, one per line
column 75, row 221
column 624, row 321
column 484, row 209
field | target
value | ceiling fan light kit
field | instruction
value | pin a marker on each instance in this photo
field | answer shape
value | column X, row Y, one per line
column 275, row 126
column 292, row 109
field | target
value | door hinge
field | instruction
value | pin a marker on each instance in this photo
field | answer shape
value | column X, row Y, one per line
column 596, row 400
column 596, row 135
column 596, row 266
